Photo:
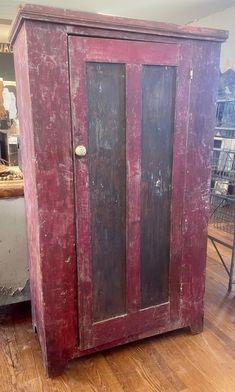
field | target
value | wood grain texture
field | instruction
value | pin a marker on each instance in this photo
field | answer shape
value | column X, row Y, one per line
column 13, row 188
column 227, row 238
column 49, row 185
column 158, row 108
column 62, row 289
column 176, row 362
column 83, row 51
column 30, row 188
column 107, row 173
column 133, row 154
column 183, row 88
column 205, row 65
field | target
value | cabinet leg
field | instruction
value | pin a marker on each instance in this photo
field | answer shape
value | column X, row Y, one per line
column 34, row 328
column 55, row 367
column 197, row 326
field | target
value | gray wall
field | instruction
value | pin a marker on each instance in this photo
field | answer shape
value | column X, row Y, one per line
column 223, row 20
column 14, row 283
column 7, row 71
column 14, row 277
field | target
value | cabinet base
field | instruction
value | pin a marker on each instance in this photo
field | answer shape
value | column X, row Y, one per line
column 197, row 326
column 54, row 367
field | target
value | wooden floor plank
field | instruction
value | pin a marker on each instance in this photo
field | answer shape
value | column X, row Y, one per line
column 142, row 369
column 175, row 362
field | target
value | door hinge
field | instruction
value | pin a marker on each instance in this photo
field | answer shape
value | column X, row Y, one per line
column 191, row 74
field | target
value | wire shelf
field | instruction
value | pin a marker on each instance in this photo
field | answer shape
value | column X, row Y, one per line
column 223, row 166
column 222, row 212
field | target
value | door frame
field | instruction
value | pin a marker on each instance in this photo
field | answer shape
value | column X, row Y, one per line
column 160, row 317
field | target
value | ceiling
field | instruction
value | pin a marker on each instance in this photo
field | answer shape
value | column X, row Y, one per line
column 174, row 11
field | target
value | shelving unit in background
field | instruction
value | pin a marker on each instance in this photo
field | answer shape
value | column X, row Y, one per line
column 222, row 200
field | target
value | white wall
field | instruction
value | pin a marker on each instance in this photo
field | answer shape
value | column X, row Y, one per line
column 4, row 32
column 223, row 20
column 14, row 285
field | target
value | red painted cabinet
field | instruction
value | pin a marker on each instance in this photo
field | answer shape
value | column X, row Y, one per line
column 117, row 122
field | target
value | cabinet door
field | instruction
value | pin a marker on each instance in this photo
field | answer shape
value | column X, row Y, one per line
column 129, row 109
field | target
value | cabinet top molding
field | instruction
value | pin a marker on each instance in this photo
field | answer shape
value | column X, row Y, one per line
column 99, row 21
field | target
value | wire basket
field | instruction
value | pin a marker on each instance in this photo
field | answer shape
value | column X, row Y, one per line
column 223, row 166
column 222, row 212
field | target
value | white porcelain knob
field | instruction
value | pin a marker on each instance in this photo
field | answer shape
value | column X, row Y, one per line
column 80, row 151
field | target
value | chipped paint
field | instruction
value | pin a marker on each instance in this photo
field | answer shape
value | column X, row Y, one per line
column 9, row 295
column 49, row 189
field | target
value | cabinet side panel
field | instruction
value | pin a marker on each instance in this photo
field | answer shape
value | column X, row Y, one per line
column 204, row 86
column 53, row 157
column 28, row 165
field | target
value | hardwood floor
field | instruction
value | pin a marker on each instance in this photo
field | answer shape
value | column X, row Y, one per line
column 175, row 362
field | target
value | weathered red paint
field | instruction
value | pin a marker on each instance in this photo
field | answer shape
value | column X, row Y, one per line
column 133, row 54
column 198, row 160
column 178, row 173
column 133, row 146
column 48, row 187
column 88, row 20
column 42, row 72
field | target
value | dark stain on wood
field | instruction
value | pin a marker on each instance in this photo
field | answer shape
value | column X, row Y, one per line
column 107, row 178
column 158, row 97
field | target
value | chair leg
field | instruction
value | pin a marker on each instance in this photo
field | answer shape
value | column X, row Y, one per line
column 231, row 285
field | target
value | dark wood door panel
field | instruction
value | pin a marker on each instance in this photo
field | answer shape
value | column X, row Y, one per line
column 158, row 97
column 107, row 186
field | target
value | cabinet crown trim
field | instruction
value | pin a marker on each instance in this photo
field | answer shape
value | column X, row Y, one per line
column 86, row 19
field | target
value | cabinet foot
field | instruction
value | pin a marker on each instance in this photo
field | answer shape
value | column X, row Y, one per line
column 55, row 368
column 197, row 326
